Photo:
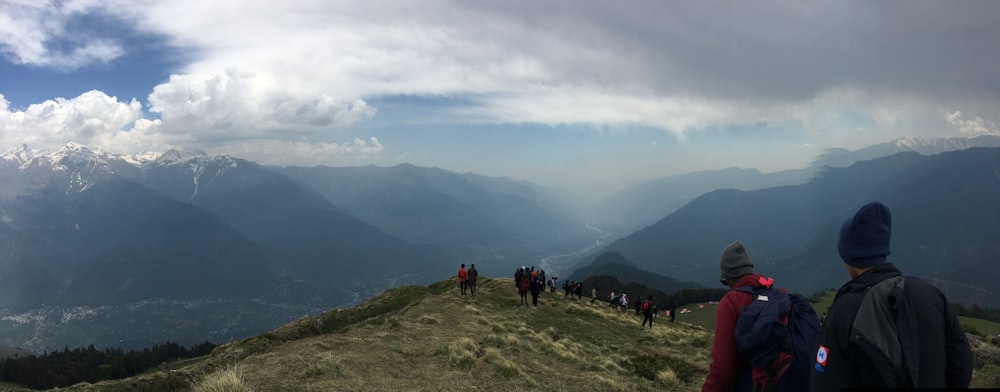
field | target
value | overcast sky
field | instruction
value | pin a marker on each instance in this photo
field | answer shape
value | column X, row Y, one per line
column 583, row 94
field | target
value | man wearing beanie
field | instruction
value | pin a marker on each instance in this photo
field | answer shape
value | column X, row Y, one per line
column 729, row 372
column 884, row 330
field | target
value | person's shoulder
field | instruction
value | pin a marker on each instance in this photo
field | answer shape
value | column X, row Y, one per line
column 922, row 292
column 735, row 296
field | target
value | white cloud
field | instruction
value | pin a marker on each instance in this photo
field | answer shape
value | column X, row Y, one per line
column 974, row 127
column 288, row 153
column 101, row 121
column 244, row 103
column 93, row 118
column 29, row 31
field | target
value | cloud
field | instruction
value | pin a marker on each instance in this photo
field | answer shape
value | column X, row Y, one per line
column 37, row 34
column 974, row 127
column 677, row 66
column 241, row 102
column 98, row 120
column 289, row 153
column 90, row 117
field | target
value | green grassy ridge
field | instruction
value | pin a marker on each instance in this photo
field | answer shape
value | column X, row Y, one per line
column 433, row 338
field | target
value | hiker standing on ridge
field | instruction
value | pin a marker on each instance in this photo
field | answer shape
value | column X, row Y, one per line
column 922, row 347
column 523, row 284
column 537, row 287
column 463, row 278
column 647, row 311
column 473, row 275
column 729, row 370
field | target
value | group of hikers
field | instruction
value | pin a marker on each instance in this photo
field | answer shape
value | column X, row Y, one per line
column 883, row 330
column 528, row 280
column 467, row 279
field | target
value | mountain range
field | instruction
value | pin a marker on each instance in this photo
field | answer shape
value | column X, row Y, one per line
column 945, row 211
column 128, row 250
column 116, row 246
column 615, row 265
column 486, row 219
column 640, row 205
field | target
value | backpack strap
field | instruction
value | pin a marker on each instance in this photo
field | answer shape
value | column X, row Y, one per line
column 752, row 290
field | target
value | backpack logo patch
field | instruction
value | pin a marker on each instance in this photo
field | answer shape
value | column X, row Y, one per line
column 821, row 355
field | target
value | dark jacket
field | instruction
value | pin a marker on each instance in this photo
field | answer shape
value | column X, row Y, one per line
column 729, row 371
column 926, row 321
column 537, row 287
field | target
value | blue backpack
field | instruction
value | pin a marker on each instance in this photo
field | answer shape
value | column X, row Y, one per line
column 776, row 334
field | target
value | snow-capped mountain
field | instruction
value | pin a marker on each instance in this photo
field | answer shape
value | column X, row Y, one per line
column 81, row 227
column 74, row 168
column 840, row 157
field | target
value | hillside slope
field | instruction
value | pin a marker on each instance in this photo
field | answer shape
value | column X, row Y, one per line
column 432, row 338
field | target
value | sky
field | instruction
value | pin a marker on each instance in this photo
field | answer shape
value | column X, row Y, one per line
column 583, row 94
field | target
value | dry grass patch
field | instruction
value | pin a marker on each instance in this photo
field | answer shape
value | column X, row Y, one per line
column 228, row 379
column 500, row 340
column 462, row 353
column 501, row 364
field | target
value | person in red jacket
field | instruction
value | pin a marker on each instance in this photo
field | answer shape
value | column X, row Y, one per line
column 728, row 371
column 463, row 278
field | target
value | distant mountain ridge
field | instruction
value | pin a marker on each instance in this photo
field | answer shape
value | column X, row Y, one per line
column 946, row 219
column 491, row 219
column 840, row 157
column 638, row 206
column 614, row 265
column 108, row 232
column 643, row 204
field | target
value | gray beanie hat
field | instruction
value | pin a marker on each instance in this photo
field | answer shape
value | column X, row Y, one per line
column 735, row 262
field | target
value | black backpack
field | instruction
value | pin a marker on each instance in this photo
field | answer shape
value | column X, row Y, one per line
column 776, row 333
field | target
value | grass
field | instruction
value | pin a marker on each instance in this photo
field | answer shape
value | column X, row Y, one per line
column 229, row 379
column 982, row 328
column 432, row 338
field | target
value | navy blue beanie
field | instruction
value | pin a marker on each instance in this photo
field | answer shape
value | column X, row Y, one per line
column 864, row 238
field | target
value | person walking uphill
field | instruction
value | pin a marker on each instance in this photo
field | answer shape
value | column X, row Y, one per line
column 647, row 311
column 463, row 278
column 473, row 274
column 884, row 329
